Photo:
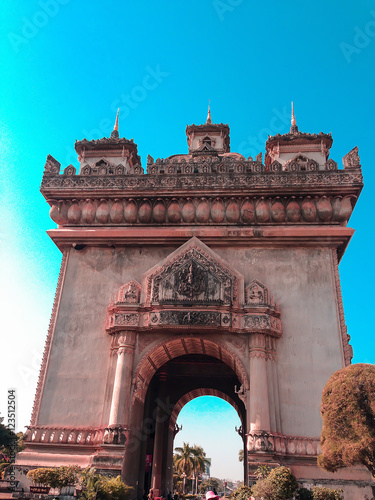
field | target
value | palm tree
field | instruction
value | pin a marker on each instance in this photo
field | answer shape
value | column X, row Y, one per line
column 200, row 462
column 184, row 461
column 190, row 460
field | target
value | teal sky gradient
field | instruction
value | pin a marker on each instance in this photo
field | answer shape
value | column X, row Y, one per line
column 66, row 67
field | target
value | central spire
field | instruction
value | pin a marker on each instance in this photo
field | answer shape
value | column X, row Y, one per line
column 293, row 128
column 208, row 121
column 114, row 133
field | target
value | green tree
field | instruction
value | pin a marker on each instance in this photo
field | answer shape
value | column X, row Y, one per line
column 200, row 461
column 240, row 455
column 6, row 436
column 210, row 484
column 348, row 412
column 189, row 460
column 280, row 484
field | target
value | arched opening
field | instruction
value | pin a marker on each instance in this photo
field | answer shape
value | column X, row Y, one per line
column 172, row 385
column 211, row 421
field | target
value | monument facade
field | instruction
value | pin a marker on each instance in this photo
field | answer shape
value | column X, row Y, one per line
column 210, row 274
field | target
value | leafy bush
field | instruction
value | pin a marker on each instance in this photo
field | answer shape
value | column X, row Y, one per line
column 321, row 493
column 99, row 487
column 348, row 412
column 45, row 476
column 241, row 493
column 280, row 484
column 304, row 494
column 59, row 477
column 113, row 489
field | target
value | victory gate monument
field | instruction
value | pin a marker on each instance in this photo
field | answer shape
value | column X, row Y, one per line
column 210, row 274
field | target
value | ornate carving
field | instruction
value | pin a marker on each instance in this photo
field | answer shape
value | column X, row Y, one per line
column 176, row 429
column 193, row 182
column 47, row 345
column 192, row 260
column 52, row 166
column 181, row 318
column 351, row 159
column 257, row 321
column 70, row 170
column 241, row 393
column 69, row 435
column 123, row 319
column 138, row 388
column 256, row 293
column 129, row 293
column 260, row 441
column 115, row 435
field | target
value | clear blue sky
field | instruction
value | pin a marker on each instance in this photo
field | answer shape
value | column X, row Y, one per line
column 68, row 64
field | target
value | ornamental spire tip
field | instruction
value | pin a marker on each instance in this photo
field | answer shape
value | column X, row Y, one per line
column 208, row 121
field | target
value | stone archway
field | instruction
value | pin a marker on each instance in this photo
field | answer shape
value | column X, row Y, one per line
column 197, row 393
column 196, row 367
column 192, row 303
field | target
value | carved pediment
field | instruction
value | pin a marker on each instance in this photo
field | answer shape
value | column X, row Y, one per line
column 193, row 274
column 191, row 282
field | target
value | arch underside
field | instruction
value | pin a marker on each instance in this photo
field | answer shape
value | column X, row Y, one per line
column 170, row 349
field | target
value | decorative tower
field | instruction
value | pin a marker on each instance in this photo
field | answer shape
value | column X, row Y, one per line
column 208, row 263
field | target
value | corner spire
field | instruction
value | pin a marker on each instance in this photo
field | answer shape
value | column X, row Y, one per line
column 293, row 128
column 208, row 121
column 114, row 133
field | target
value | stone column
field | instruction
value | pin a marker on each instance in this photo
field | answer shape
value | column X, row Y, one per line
column 120, row 406
column 172, row 431
column 157, row 459
column 259, row 404
column 131, row 465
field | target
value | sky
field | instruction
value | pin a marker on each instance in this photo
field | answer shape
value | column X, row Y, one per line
column 67, row 65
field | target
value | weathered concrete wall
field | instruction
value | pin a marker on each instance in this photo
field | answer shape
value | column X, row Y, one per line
column 75, row 390
column 310, row 349
column 308, row 353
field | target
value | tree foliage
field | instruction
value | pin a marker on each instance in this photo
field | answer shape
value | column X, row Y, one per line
column 241, row 493
column 348, row 412
column 279, row 484
column 210, row 484
column 322, row 493
column 6, row 436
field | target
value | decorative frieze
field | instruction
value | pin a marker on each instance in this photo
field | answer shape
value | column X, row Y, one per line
column 59, row 184
column 261, row 441
column 87, row 436
column 202, row 211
